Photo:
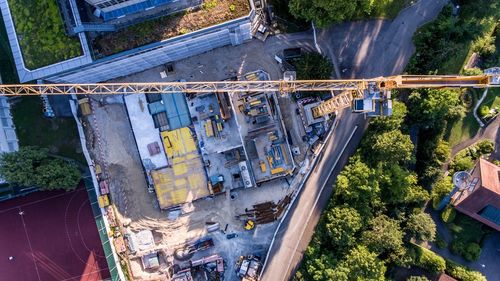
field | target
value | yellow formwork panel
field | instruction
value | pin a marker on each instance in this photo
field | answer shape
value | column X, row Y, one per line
column 185, row 180
column 180, row 169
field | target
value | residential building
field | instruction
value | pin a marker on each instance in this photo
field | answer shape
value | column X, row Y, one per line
column 480, row 199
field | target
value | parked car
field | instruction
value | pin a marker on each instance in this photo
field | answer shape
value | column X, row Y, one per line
column 231, row 235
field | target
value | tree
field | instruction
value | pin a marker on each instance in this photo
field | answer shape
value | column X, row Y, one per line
column 431, row 108
column 313, row 66
column 323, row 12
column 342, row 224
column 389, row 123
column 442, row 152
column 421, row 227
column 32, row 166
column 384, row 237
column 461, row 164
column 391, row 147
column 358, row 264
column 357, row 187
column 440, row 189
column 57, row 174
column 399, row 186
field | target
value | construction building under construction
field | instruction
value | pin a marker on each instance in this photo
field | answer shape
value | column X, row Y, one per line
column 168, row 148
column 199, row 145
column 262, row 132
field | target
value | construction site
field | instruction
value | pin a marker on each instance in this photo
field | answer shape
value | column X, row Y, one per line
column 190, row 168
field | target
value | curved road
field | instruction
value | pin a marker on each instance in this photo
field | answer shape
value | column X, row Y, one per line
column 361, row 49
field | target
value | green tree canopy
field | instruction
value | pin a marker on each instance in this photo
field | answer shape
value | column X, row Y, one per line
column 313, row 66
column 399, row 186
column 384, row 237
column 32, row 166
column 325, row 12
column 391, row 147
column 358, row 264
column 357, row 187
column 389, row 123
column 431, row 108
column 421, row 226
column 342, row 224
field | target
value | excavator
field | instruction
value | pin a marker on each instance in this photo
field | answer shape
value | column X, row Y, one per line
column 352, row 93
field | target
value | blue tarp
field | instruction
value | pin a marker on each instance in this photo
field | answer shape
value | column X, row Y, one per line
column 131, row 9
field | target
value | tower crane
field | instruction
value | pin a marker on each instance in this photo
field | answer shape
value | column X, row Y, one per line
column 348, row 91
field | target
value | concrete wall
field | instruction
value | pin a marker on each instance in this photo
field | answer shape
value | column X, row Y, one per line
column 233, row 32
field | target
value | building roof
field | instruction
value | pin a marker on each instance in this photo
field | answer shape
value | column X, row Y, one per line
column 481, row 199
column 490, row 176
column 145, row 132
column 445, row 277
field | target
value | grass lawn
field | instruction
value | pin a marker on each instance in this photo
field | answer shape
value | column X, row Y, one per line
column 7, row 68
column 59, row 135
column 492, row 99
column 211, row 13
column 465, row 128
column 41, row 33
column 455, row 62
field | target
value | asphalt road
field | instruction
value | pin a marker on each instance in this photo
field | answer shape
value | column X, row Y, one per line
column 360, row 49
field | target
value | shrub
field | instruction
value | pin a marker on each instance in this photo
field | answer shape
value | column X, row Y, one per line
column 461, row 164
column 472, row 252
column 448, row 214
column 232, row 7
column 457, row 247
column 486, row 147
column 483, row 111
column 462, row 273
column 455, row 228
column 442, row 187
column 429, row 260
column 440, row 242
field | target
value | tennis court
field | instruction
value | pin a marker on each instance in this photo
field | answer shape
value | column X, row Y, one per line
column 49, row 236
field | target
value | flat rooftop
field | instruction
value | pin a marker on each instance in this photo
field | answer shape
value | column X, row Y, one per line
column 185, row 179
column 147, row 137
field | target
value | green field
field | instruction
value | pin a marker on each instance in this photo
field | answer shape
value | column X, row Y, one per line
column 59, row 135
column 41, row 33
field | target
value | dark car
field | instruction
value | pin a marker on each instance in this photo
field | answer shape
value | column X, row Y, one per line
column 231, row 235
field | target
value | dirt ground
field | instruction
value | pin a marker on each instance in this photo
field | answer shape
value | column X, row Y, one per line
column 114, row 142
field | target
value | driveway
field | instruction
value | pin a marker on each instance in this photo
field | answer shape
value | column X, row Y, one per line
column 487, row 263
column 364, row 49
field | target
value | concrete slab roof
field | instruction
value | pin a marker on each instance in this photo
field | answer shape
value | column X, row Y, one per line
column 145, row 132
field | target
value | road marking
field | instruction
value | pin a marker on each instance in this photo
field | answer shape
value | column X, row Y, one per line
column 317, row 198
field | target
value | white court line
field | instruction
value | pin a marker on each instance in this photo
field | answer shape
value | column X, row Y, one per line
column 29, row 244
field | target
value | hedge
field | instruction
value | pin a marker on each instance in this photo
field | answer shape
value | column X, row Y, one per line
column 448, row 214
column 462, row 273
column 428, row 260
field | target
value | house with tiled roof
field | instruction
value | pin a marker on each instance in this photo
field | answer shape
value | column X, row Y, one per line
column 480, row 199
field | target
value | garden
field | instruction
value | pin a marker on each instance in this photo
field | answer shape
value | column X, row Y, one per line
column 41, row 33
column 211, row 12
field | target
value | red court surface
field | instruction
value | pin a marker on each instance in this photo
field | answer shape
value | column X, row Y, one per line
column 52, row 235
